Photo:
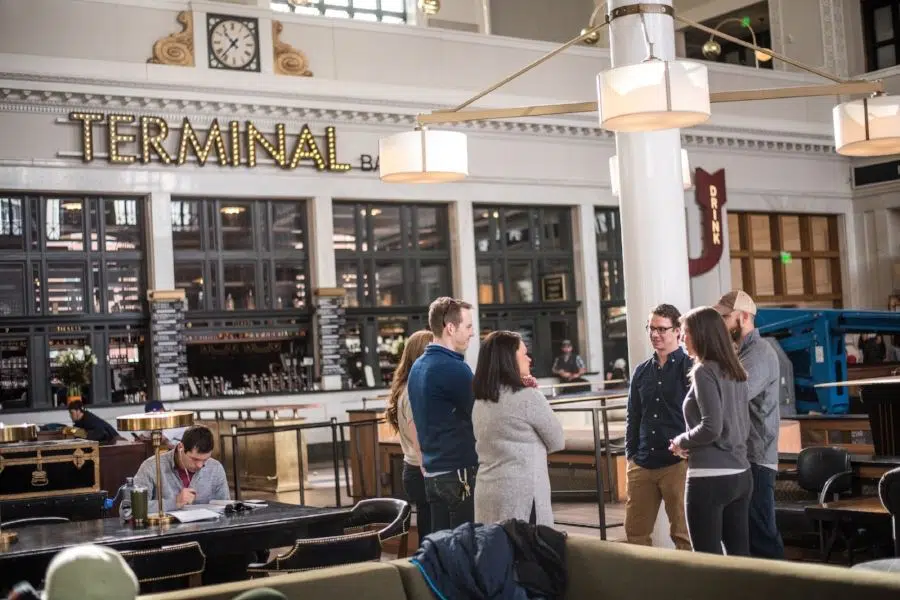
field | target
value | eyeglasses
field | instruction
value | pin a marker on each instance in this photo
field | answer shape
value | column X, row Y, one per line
column 659, row 330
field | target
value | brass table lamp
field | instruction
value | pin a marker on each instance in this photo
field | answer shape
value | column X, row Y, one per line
column 155, row 422
column 9, row 434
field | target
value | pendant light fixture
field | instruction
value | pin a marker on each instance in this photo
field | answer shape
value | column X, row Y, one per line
column 423, row 156
column 868, row 127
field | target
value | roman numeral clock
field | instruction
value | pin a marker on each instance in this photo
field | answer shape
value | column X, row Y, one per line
column 233, row 42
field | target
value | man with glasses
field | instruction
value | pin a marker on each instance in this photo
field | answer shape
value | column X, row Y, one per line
column 190, row 475
column 763, row 376
column 654, row 416
column 441, row 398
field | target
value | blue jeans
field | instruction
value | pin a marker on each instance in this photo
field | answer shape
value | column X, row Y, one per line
column 765, row 540
column 450, row 506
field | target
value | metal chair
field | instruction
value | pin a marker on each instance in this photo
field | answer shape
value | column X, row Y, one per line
column 167, row 568
column 371, row 523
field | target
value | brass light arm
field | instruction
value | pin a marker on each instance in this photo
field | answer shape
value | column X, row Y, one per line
column 584, row 34
column 756, row 48
column 750, row 28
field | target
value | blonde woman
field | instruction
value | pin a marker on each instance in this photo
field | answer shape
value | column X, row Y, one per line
column 399, row 415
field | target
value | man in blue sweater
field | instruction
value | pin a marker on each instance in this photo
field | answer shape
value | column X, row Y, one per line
column 440, row 394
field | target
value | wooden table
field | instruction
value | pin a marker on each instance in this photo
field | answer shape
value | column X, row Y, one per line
column 225, row 540
column 849, row 515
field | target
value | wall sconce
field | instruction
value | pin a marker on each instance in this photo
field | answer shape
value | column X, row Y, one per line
column 713, row 49
column 232, row 210
column 430, row 7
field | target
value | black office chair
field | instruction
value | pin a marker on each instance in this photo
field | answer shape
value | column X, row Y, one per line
column 371, row 523
column 20, row 523
column 889, row 493
column 167, row 568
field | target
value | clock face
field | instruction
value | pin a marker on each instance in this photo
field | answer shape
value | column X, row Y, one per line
column 233, row 43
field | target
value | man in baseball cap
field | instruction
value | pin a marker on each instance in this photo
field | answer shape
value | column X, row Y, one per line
column 763, row 376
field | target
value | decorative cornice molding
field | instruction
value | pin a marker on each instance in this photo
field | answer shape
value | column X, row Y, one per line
column 176, row 49
column 267, row 115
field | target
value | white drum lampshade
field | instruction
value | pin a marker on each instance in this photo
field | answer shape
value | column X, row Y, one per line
column 423, row 156
column 867, row 127
column 686, row 180
column 653, row 95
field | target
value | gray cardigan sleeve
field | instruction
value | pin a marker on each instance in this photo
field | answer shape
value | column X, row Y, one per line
column 146, row 477
column 545, row 423
column 708, row 396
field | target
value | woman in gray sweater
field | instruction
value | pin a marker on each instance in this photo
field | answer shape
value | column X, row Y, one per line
column 515, row 429
column 717, row 414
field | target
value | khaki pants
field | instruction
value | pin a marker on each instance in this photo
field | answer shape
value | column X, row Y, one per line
column 646, row 488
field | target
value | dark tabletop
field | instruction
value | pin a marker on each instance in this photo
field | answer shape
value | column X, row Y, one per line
column 50, row 539
column 856, row 459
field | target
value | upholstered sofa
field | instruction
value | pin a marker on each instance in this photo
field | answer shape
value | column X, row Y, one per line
column 597, row 570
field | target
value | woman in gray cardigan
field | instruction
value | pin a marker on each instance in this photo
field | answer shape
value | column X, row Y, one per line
column 717, row 414
column 515, row 429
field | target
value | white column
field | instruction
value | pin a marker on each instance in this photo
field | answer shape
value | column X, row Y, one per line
column 465, row 268
column 162, row 261
column 587, row 283
column 654, row 231
column 680, row 44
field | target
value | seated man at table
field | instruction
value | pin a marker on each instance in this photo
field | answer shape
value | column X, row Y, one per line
column 190, row 475
column 95, row 428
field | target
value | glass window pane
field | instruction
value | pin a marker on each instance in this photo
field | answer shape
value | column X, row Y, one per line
column 64, row 224
column 486, row 222
column 59, row 387
column 365, row 4
column 65, row 288
column 186, row 234
column 391, row 338
column 764, row 277
column 790, row 233
column 737, row 273
column 347, row 277
column 615, row 342
column 521, row 282
column 390, row 19
column 355, row 354
column 518, row 229
column 793, row 274
column 189, row 277
column 344, row 224
column 123, row 287
column 289, row 224
column 343, row 3
column 12, row 233
column 340, row 14
column 556, row 234
column 821, row 240
column 760, row 234
column 385, row 221
column 606, row 227
column 434, row 280
column 612, row 282
column 884, row 24
column 485, row 283
column 365, row 16
column 36, row 281
column 240, row 286
column 236, row 220
column 127, row 370
column 123, row 225
column 432, row 225
column 396, row 6
column 14, row 364
column 734, row 231
column 290, row 286
column 885, row 56
column 12, row 290
column 824, row 283
column 389, row 284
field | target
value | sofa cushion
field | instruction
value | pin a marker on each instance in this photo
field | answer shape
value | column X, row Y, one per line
column 348, row 582
column 614, row 570
column 413, row 582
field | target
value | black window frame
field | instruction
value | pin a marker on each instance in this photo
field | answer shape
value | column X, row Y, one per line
column 351, row 9
column 868, row 8
column 547, row 323
column 38, row 327
column 363, row 313
column 612, row 295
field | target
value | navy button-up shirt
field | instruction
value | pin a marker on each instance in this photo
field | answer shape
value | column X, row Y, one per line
column 655, row 414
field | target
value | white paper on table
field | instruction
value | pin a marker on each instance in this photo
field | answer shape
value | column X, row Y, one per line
column 194, row 514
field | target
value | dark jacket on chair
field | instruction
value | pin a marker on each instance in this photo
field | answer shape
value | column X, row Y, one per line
column 512, row 561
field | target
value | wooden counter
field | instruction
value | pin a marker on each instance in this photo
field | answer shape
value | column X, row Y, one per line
column 364, row 448
column 267, row 462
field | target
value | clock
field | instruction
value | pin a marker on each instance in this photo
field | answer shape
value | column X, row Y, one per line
column 233, row 42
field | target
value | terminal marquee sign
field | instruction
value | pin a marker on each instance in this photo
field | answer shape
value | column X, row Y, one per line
column 132, row 139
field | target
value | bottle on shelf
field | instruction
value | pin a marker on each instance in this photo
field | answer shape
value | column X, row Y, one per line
column 229, row 302
column 251, row 302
